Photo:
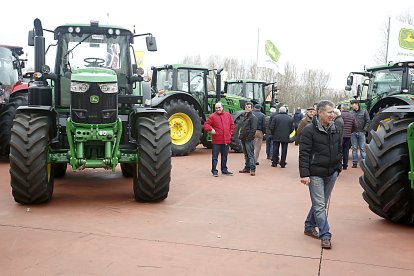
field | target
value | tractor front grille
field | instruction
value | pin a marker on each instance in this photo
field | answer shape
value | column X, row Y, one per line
column 93, row 106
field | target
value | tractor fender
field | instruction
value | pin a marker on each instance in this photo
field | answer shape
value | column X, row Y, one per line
column 20, row 87
column 49, row 111
column 138, row 111
column 389, row 101
column 237, row 114
column 160, row 100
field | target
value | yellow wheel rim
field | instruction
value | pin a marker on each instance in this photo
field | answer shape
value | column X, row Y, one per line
column 385, row 120
column 181, row 127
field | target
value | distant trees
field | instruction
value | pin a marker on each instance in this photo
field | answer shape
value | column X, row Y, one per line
column 295, row 89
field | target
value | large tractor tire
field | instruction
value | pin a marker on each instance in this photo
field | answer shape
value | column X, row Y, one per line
column 31, row 175
column 385, row 181
column 380, row 116
column 185, row 126
column 6, row 121
column 235, row 143
column 152, row 173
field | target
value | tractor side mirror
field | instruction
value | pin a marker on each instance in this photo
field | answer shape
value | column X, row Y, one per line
column 151, row 43
column 350, row 80
column 30, row 39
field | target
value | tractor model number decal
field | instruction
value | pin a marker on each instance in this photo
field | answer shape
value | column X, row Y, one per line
column 94, row 99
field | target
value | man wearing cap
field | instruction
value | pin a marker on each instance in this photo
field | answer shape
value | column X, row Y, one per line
column 310, row 112
column 362, row 122
column 258, row 138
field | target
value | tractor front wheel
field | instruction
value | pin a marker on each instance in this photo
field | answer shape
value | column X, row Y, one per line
column 31, row 175
column 152, row 172
column 385, row 181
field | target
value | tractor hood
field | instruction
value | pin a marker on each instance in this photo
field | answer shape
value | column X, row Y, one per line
column 94, row 74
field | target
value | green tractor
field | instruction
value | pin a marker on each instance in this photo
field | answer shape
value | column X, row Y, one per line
column 237, row 93
column 388, row 179
column 89, row 113
column 182, row 91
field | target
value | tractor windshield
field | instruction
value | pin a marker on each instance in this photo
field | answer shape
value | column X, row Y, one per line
column 89, row 50
column 255, row 91
column 164, row 79
column 8, row 76
column 385, row 82
column 235, row 89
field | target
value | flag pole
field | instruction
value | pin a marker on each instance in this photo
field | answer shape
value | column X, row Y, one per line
column 257, row 53
column 388, row 39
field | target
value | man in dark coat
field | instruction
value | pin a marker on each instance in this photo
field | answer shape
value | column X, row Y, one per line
column 310, row 112
column 221, row 125
column 349, row 125
column 320, row 150
column 258, row 139
column 297, row 117
column 362, row 122
column 246, row 136
column 281, row 126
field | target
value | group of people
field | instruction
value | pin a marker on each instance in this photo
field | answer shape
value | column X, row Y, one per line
column 324, row 135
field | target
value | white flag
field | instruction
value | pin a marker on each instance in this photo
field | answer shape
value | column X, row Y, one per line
column 400, row 42
column 268, row 54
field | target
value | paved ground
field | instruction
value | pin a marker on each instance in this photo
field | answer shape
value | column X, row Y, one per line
column 230, row 225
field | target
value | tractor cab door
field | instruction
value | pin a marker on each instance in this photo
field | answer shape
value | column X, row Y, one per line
column 194, row 82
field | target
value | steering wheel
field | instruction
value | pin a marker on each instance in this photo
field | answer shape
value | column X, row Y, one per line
column 94, row 62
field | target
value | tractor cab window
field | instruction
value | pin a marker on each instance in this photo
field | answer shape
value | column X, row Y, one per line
column 411, row 81
column 255, row 91
column 386, row 82
column 182, row 80
column 8, row 76
column 164, row 79
column 235, row 89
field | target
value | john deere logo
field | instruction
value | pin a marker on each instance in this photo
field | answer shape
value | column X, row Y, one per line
column 406, row 39
column 272, row 51
column 94, row 99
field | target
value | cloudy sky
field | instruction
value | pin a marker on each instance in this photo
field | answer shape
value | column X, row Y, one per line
column 335, row 36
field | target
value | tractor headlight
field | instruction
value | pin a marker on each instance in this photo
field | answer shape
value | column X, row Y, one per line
column 79, row 87
column 109, row 87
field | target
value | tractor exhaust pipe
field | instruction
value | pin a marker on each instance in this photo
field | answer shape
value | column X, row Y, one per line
column 39, row 46
column 218, row 84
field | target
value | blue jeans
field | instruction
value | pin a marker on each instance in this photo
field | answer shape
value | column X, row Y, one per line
column 223, row 150
column 269, row 146
column 275, row 157
column 320, row 189
column 248, row 150
column 357, row 141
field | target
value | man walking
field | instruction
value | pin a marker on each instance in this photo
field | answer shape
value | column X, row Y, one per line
column 349, row 124
column 297, row 117
column 246, row 136
column 362, row 122
column 221, row 125
column 281, row 126
column 269, row 137
column 258, row 138
column 310, row 112
column 319, row 165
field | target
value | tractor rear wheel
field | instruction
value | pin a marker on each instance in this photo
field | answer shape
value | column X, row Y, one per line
column 235, row 143
column 385, row 181
column 31, row 175
column 6, row 121
column 185, row 126
column 152, row 172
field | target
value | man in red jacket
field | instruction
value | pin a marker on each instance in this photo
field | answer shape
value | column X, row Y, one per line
column 221, row 125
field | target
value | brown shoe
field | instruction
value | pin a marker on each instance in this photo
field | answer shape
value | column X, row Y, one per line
column 326, row 244
column 311, row 232
column 252, row 173
column 244, row 171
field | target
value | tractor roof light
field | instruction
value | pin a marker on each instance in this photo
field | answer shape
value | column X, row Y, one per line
column 117, row 32
column 78, row 30
column 110, row 31
column 70, row 29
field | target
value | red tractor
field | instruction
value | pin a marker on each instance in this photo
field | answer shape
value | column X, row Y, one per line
column 13, row 91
